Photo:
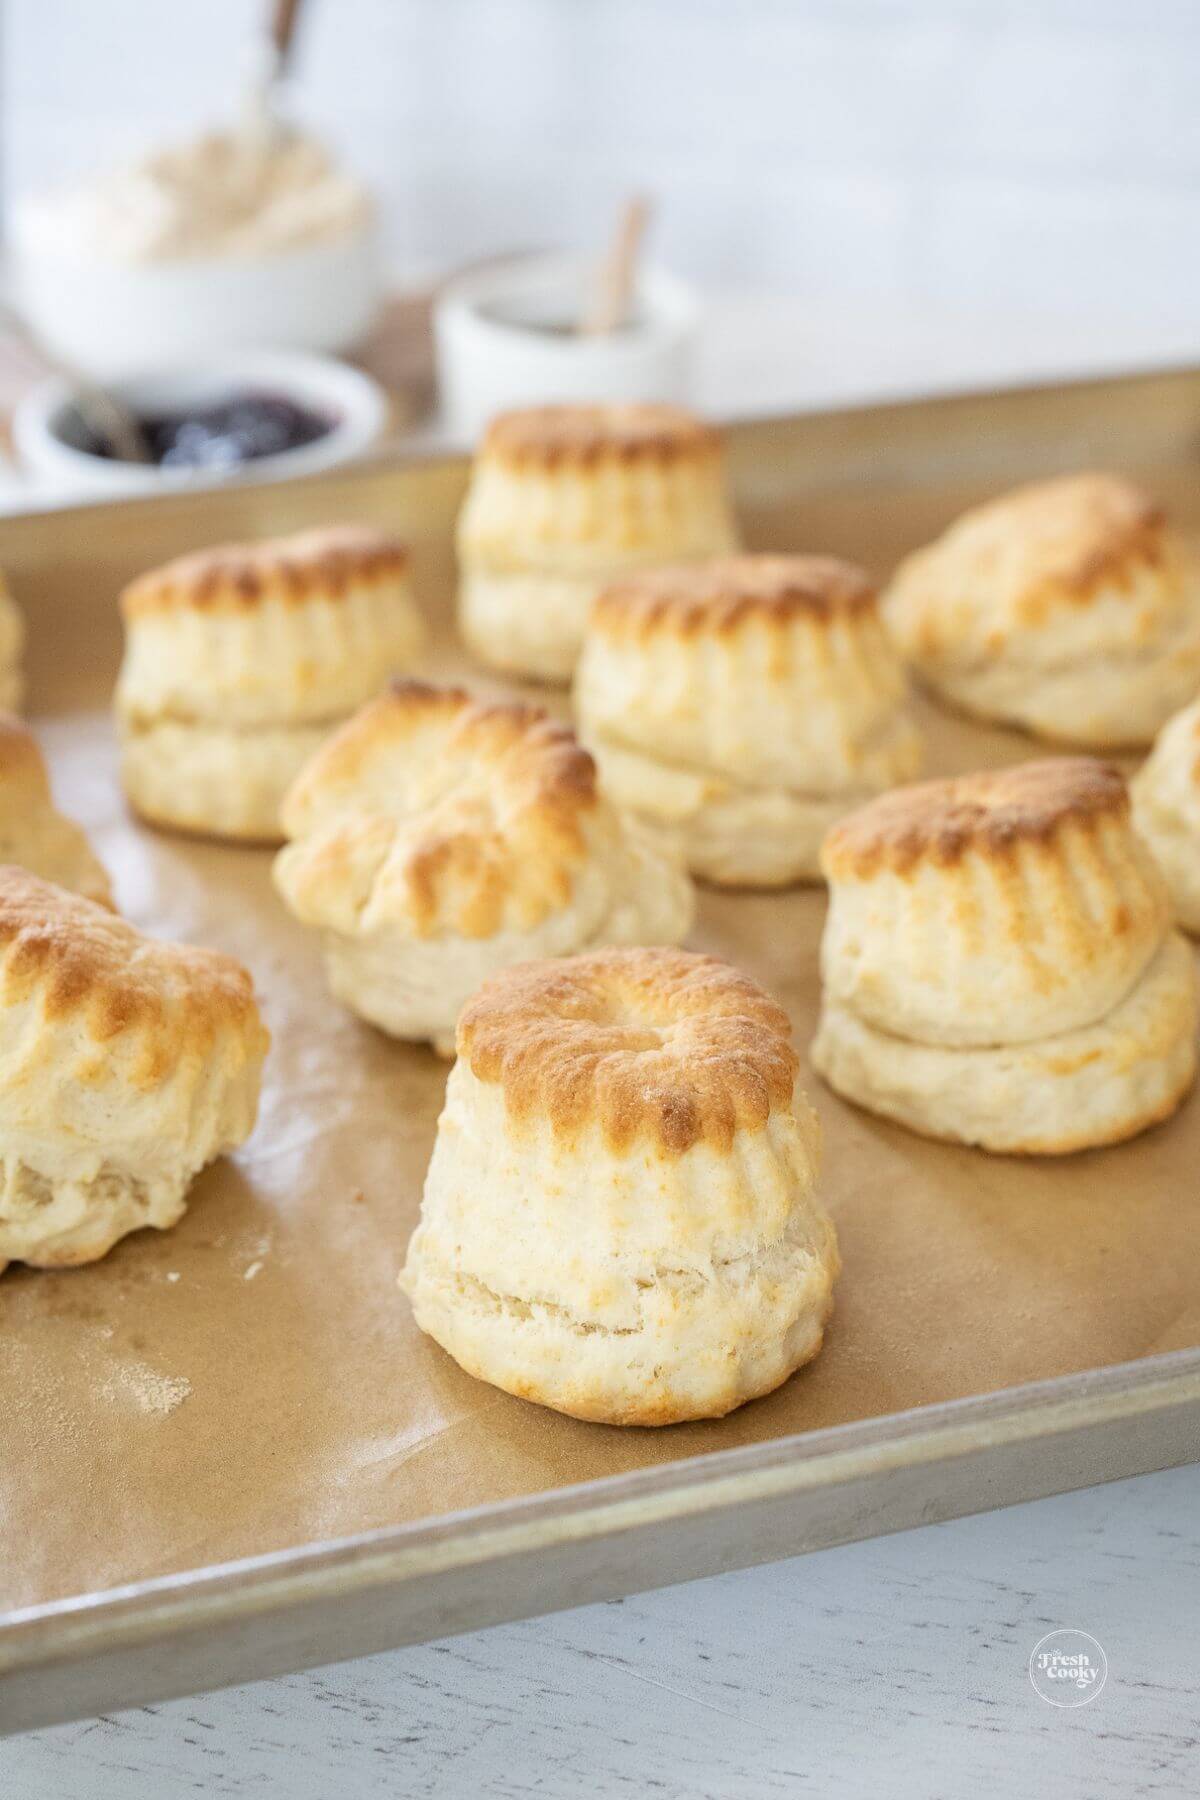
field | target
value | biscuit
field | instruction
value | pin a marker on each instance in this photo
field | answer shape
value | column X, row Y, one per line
column 998, row 963
column 620, row 1218
column 125, row 1066
column 1068, row 608
column 1166, row 810
column 33, row 833
column 992, row 908
column 1072, row 1090
column 563, row 499
column 437, row 839
column 744, row 705
column 239, row 662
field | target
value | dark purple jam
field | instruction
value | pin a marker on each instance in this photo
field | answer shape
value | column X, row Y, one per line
column 221, row 436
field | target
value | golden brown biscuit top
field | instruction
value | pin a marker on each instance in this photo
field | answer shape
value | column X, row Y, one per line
column 551, row 435
column 658, row 1045
column 540, row 754
column 718, row 596
column 990, row 813
column 1061, row 538
column 323, row 564
column 461, row 808
column 85, row 965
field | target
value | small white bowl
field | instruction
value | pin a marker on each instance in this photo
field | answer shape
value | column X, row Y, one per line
column 355, row 402
column 497, row 345
column 113, row 319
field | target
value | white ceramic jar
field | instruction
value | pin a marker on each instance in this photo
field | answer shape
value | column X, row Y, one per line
column 249, row 235
column 115, row 318
column 505, row 338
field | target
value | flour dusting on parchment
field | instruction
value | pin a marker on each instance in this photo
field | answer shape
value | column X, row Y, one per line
column 137, row 1384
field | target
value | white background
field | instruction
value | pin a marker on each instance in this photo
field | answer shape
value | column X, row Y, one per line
column 1041, row 155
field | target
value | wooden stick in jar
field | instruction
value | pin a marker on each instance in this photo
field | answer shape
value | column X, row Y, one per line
column 607, row 307
column 285, row 14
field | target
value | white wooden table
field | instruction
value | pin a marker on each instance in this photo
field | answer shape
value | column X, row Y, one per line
column 894, row 1670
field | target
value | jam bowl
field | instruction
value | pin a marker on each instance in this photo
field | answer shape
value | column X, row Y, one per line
column 242, row 416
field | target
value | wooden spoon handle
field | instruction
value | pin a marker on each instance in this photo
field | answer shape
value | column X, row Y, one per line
column 608, row 305
column 284, row 15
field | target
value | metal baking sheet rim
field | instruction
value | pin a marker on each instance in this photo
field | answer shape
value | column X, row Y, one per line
column 326, row 1602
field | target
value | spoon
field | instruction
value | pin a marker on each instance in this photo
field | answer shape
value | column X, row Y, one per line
column 264, row 119
column 106, row 417
column 607, row 306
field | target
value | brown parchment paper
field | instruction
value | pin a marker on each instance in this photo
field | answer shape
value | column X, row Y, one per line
column 253, row 1380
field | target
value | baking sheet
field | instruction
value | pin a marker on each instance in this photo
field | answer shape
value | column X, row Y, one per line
column 252, row 1380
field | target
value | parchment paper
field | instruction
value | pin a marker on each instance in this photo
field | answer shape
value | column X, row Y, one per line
column 253, row 1380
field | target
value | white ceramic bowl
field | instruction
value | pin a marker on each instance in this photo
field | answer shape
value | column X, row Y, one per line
column 117, row 318
column 492, row 355
column 353, row 400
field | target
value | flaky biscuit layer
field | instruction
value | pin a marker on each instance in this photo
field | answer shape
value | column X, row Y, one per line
column 1103, row 703
column 1074, row 1090
column 1067, row 607
column 993, row 908
column 647, row 1245
column 731, row 835
column 436, row 838
column 562, row 500
column 528, row 624
column 214, row 782
column 286, row 633
column 1166, row 810
column 771, row 671
column 436, row 812
column 125, row 1065
column 416, row 990
column 751, row 686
